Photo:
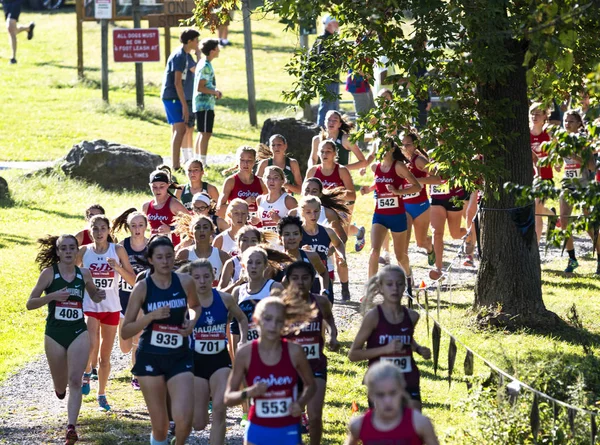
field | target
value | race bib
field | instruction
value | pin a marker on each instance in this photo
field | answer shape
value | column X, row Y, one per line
column 269, row 228
column 573, row 171
column 124, row 285
column 68, row 311
column 439, row 189
column 166, row 336
column 209, row 342
column 273, row 408
column 387, row 202
column 404, row 363
column 411, row 195
column 310, row 346
column 253, row 333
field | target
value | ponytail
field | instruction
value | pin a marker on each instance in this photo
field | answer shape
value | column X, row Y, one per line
column 373, row 286
column 48, row 254
column 121, row 221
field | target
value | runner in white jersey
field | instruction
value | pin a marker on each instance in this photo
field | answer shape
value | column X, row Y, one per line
column 203, row 229
column 107, row 262
column 237, row 217
column 231, row 276
column 276, row 203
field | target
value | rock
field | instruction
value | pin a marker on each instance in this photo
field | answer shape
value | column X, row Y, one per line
column 110, row 165
column 299, row 134
column 4, row 192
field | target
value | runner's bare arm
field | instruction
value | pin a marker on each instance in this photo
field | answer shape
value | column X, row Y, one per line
column 236, row 312
column 36, row 300
column 424, row 429
column 354, row 431
column 97, row 295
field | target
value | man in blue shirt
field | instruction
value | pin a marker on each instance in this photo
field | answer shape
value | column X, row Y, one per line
column 173, row 92
column 330, row 27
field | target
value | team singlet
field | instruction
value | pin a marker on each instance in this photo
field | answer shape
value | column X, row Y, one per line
column 386, row 202
column 70, row 312
column 104, row 277
column 403, row 434
column 264, row 212
column 210, row 331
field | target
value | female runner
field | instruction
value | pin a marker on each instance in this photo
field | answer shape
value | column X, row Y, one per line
column 417, row 204
column 269, row 367
column 212, row 363
column 333, row 175
column 248, row 236
column 135, row 245
column 164, row 359
column 203, row 204
column 67, row 343
column 84, row 237
column 244, row 184
column 311, row 336
column 277, row 156
column 195, row 171
column 319, row 238
column 290, row 233
column 388, row 329
column 338, row 130
column 237, row 217
column 163, row 208
column 575, row 171
column 276, row 203
column 390, row 420
column 107, row 262
column 203, row 229
column 393, row 180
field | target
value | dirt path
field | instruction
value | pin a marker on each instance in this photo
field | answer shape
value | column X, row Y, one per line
column 31, row 414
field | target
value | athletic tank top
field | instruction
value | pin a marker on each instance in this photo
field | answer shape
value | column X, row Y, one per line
column 572, row 170
column 162, row 336
column 333, row 180
column 243, row 191
column 318, row 243
column 124, row 287
column 536, row 141
column 443, row 191
column 237, row 269
column 87, row 238
column 419, row 197
column 287, row 171
column 384, row 333
column 387, row 203
column 214, row 258
column 265, row 207
column 323, row 218
column 403, row 434
column 229, row 246
column 157, row 217
column 247, row 302
column 272, row 408
column 210, row 331
column 187, row 195
column 70, row 312
column 310, row 337
column 343, row 155
column 104, row 277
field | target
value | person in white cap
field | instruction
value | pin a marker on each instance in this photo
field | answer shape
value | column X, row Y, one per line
column 330, row 27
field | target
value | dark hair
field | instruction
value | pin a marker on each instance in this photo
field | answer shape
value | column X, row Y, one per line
column 414, row 136
column 289, row 220
column 188, row 35
column 122, row 221
column 397, row 155
column 300, row 265
column 93, row 207
column 278, row 136
column 48, row 254
column 207, row 45
column 110, row 238
column 346, row 124
column 332, row 198
column 577, row 114
column 297, row 311
column 157, row 241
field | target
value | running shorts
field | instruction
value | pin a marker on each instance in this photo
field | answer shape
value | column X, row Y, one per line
column 395, row 223
column 66, row 335
column 262, row 435
column 167, row 365
column 206, row 365
column 448, row 204
column 416, row 210
column 109, row 318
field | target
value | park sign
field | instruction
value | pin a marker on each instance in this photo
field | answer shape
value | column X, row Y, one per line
column 136, row 45
column 174, row 12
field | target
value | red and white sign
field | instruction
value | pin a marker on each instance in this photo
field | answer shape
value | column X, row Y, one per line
column 136, row 45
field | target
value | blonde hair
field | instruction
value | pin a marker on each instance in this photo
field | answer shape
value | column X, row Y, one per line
column 278, row 171
column 232, row 204
column 254, row 249
column 373, row 286
column 197, row 264
column 296, row 309
column 305, row 200
column 382, row 371
column 245, row 149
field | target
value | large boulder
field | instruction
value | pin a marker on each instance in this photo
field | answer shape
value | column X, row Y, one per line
column 4, row 192
column 110, row 165
column 299, row 134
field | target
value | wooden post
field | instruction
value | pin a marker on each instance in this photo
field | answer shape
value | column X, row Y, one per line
column 306, row 112
column 104, row 68
column 167, row 43
column 79, row 15
column 139, row 67
column 249, row 62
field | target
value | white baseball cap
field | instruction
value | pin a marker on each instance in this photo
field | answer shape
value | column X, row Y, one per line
column 328, row 19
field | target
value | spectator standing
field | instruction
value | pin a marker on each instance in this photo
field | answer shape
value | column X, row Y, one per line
column 205, row 96
column 330, row 27
column 173, row 91
column 362, row 96
column 188, row 88
column 12, row 10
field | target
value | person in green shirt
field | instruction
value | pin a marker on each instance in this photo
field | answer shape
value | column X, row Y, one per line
column 205, row 96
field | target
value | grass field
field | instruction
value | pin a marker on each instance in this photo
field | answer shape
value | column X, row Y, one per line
column 45, row 110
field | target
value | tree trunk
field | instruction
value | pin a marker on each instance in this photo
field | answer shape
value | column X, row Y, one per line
column 509, row 278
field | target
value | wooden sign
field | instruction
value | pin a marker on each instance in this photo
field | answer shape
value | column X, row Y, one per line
column 178, row 7
column 164, row 20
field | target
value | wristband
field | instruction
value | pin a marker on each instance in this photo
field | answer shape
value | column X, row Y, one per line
column 244, row 394
column 172, row 228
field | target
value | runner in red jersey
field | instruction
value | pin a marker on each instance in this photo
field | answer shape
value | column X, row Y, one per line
column 333, row 175
column 312, row 339
column 388, row 329
column 161, row 210
column 538, row 116
column 84, row 237
column 390, row 421
column 270, row 367
column 244, row 184
column 392, row 181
